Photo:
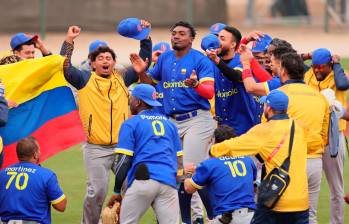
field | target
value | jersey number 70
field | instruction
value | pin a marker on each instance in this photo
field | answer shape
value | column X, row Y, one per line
column 20, row 186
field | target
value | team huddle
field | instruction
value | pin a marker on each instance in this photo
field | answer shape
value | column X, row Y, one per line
column 237, row 133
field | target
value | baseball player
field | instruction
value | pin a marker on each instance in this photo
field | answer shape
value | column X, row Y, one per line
column 229, row 181
column 149, row 153
column 103, row 106
column 233, row 105
column 188, row 83
column 324, row 73
column 28, row 190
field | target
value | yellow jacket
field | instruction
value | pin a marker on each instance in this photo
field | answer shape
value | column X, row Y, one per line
column 103, row 106
column 328, row 82
column 310, row 110
column 263, row 139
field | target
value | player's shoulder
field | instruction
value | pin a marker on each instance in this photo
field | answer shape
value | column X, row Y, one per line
column 166, row 54
column 197, row 54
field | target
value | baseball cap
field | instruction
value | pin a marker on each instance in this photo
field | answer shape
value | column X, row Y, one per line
column 321, row 56
column 276, row 99
column 210, row 41
column 147, row 94
column 216, row 28
column 262, row 44
column 132, row 28
column 162, row 46
column 21, row 38
column 96, row 44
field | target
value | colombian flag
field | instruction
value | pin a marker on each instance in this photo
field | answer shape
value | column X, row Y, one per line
column 46, row 110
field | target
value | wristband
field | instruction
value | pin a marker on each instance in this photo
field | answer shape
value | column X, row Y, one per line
column 116, row 193
column 246, row 73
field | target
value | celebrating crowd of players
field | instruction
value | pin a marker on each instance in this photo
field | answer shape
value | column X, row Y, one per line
column 207, row 128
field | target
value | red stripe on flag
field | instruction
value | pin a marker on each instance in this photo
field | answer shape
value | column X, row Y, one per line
column 55, row 136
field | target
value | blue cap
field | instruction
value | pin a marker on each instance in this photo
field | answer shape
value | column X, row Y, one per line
column 276, row 99
column 262, row 44
column 210, row 41
column 96, row 44
column 216, row 28
column 321, row 56
column 162, row 46
column 21, row 38
column 147, row 94
column 132, row 28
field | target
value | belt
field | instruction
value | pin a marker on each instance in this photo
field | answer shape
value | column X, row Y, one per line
column 183, row 117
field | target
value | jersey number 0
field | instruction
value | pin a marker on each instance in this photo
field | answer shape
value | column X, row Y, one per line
column 158, row 128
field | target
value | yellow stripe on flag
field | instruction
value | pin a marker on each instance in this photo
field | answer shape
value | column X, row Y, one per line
column 27, row 79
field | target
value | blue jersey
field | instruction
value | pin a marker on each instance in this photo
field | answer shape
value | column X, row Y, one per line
column 259, row 107
column 272, row 84
column 178, row 98
column 159, row 92
column 229, row 181
column 27, row 192
column 269, row 85
column 233, row 105
column 151, row 138
column 160, row 98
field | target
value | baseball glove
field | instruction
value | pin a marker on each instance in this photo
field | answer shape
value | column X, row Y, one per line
column 111, row 215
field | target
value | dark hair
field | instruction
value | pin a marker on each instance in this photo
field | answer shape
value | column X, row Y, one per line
column 280, row 43
column 223, row 132
column 19, row 47
column 26, row 148
column 235, row 32
column 99, row 50
column 294, row 65
column 187, row 25
column 279, row 51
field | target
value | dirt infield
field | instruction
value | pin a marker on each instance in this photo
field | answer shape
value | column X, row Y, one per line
column 303, row 39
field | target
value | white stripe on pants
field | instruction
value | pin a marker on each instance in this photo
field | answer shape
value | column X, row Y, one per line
column 314, row 172
column 145, row 193
column 333, row 168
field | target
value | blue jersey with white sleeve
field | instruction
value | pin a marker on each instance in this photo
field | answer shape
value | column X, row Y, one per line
column 229, row 181
column 178, row 98
column 151, row 138
column 27, row 192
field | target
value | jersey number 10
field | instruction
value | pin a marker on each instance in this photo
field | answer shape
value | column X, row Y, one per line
column 20, row 186
column 237, row 168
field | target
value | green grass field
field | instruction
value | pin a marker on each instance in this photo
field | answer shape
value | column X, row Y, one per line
column 70, row 170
